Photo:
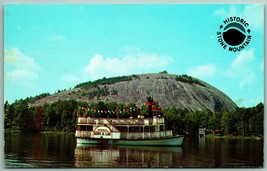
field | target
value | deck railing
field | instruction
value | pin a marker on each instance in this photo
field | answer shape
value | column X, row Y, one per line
column 128, row 135
column 120, row 121
column 84, row 134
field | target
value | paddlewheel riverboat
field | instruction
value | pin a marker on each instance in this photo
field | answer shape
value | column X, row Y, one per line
column 142, row 131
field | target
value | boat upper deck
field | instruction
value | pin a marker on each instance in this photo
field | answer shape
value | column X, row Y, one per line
column 120, row 121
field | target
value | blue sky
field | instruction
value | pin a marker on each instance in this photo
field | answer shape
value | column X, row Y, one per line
column 52, row 47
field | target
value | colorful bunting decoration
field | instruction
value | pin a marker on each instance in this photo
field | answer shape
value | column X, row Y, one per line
column 115, row 111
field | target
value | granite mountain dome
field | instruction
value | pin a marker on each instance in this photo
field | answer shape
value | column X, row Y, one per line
column 181, row 91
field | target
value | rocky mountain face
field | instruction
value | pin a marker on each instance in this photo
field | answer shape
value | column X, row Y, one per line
column 168, row 90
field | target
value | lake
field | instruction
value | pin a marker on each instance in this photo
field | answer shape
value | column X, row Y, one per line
column 61, row 151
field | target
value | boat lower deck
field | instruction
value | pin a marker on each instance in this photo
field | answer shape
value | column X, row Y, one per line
column 170, row 141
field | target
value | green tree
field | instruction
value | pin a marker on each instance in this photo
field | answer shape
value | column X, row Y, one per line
column 51, row 119
column 201, row 118
column 174, row 119
column 112, row 107
column 256, row 120
column 25, row 120
column 101, row 106
column 131, row 110
column 191, row 122
column 228, row 123
column 242, row 118
column 214, row 122
column 8, row 115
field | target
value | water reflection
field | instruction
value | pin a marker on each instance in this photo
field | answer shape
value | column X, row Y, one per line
column 125, row 156
column 39, row 150
column 223, row 153
column 61, row 151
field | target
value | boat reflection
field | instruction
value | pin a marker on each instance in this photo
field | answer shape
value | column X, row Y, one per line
column 94, row 156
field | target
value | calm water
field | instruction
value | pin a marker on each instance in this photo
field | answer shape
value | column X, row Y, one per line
column 61, row 151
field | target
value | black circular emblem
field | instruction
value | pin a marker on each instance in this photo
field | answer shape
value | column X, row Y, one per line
column 234, row 34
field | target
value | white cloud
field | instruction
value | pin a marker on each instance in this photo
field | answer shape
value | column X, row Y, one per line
column 22, row 74
column 243, row 59
column 203, row 71
column 251, row 13
column 240, row 101
column 20, row 68
column 222, row 12
column 241, row 68
column 249, row 102
column 17, row 59
column 254, row 14
column 242, row 64
column 137, row 62
column 23, row 77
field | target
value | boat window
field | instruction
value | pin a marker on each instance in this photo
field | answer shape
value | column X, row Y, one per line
column 147, row 129
column 82, row 127
column 152, row 129
column 122, row 128
column 85, row 128
column 89, row 128
column 136, row 129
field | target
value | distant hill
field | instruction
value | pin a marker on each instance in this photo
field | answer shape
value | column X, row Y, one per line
column 182, row 91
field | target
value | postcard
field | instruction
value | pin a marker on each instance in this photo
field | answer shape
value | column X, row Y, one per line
column 133, row 85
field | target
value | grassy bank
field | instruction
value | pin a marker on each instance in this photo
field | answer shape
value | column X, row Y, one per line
column 234, row 137
column 56, row 132
column 43, row 132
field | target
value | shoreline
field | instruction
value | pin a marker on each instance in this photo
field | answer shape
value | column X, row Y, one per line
column 42, row 132
column 214, row 136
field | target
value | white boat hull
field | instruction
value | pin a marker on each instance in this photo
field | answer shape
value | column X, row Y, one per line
column 171, row 141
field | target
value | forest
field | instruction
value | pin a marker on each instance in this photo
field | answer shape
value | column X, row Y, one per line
column 112, row 80
column 103, row 81
column 62, row 114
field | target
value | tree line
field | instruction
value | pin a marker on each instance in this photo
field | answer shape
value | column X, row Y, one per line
column 188, row 79
column 103, row 81
column 62, row 114
column 242, row 121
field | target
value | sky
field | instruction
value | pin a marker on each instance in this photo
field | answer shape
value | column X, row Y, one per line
column 54, row 47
